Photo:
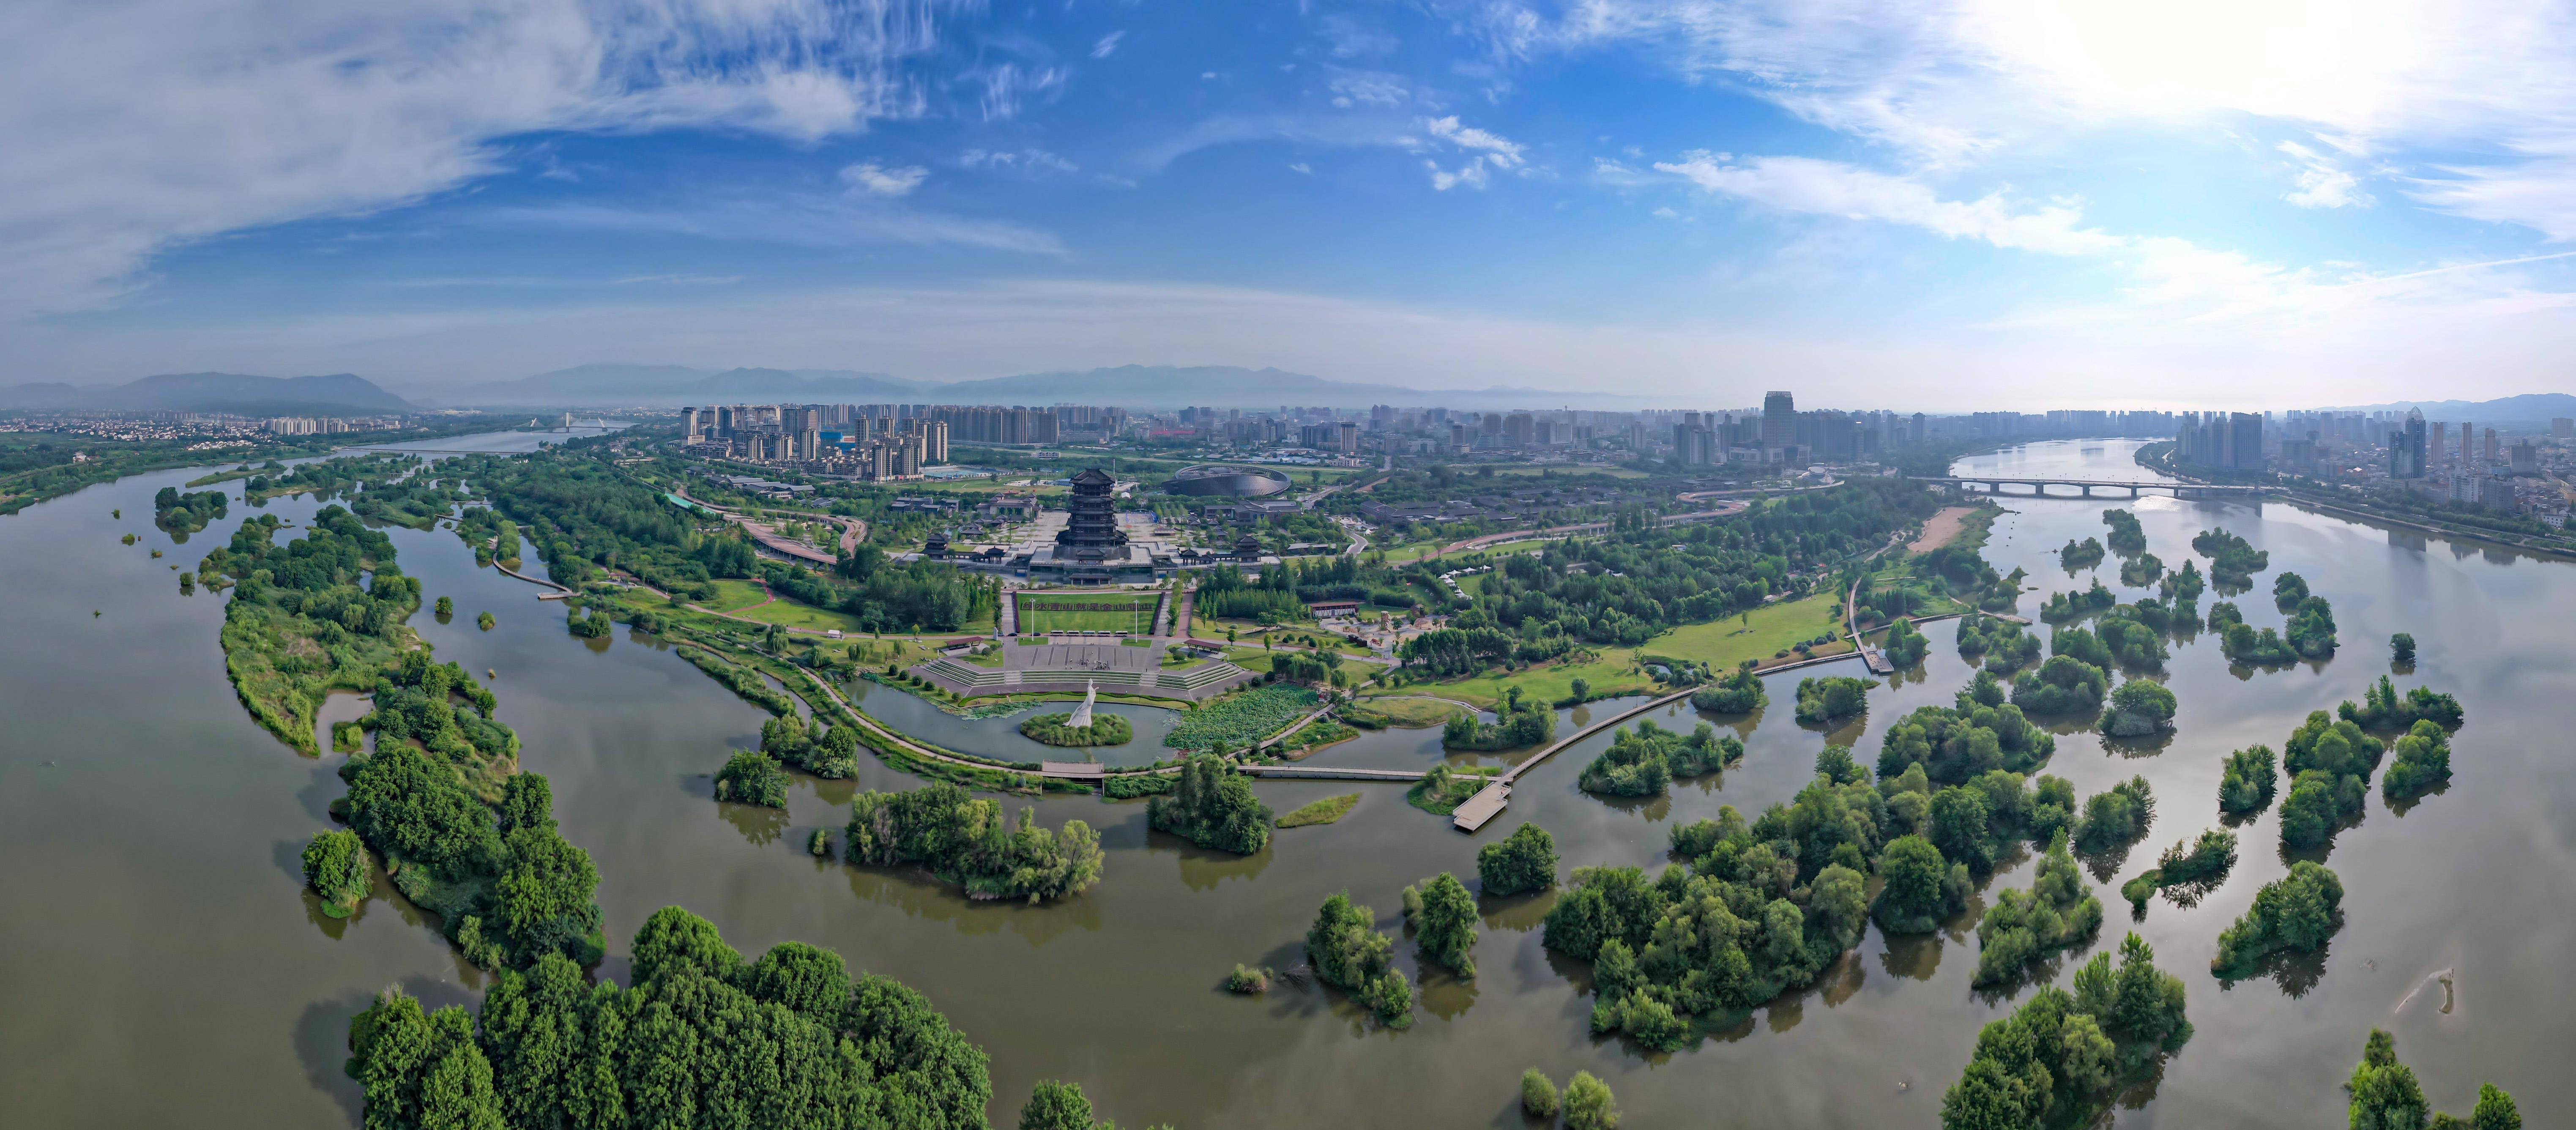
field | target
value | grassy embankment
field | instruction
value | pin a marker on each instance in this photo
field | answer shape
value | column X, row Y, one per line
column 1324, row 811
column 1760, row 634
column 1399, row 710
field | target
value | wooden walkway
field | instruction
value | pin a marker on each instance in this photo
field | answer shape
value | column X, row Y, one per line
column 1329, row 773
column 1489, row 801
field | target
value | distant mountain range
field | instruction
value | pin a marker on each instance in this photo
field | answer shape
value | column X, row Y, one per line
column 212, row 392
column 1137, row 386
column 2541, row 406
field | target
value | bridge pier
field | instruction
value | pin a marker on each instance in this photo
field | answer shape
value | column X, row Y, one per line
column 2088, row 490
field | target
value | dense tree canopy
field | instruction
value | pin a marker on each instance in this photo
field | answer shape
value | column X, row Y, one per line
column 2247, row 783
column 2297, row 912
column 2063, row 685
column 2232, row 561
column 2004, row 645
column 702, row 1038
column 1213, row 807
column 2024, row 926
column 2126, row 536
column 1643, row 578
column 1519, row 863
column 1955, row 743
column 1826, row 699
column 1739, row 692
column 1348, row 952
column 962, row 838
column 2057, row 1060
column 1643, row 760
column 2139, row 707
column 2382, row 708
column 1444, row 922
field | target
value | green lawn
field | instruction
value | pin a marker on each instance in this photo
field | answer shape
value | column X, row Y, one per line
column 1721, row 644
column 743, row 598
column 1324, row 811
column 1131, row 612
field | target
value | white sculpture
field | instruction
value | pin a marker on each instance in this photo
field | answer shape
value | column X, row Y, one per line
column 1081, row 719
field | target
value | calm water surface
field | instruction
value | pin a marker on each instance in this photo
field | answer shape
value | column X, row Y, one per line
column 163, row 965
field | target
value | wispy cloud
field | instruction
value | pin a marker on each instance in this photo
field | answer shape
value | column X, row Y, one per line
column 678, row 280
column 787, row 218
column 1008, row 86
column 1108, row 45
column 2323, row 183
column 1368, row 88
column 1832, row 188
column 880, row 180
column 1031, row 161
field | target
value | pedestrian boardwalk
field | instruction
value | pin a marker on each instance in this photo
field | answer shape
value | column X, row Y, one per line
column 1329, row 773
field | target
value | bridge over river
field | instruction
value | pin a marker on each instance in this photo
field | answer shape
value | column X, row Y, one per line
column 2039, row 486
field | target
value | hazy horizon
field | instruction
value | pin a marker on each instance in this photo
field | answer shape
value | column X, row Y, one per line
column 2022, row 206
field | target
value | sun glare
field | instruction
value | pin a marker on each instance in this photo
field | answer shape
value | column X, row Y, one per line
column 2340, row 63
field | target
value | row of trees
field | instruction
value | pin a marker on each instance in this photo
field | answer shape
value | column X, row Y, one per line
column 1522, row 722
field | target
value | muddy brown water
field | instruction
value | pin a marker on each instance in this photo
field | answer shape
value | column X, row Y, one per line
column 162, row 965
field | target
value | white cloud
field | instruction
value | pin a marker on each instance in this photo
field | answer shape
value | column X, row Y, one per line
column 1471, row 174
column 1945, row 83
column 1107, row 45
column 1505, row 153
column 134, row 127
column 2168, row 282
column 1302, row 168
column 1831, row 188
column 2322, row 182
column 880, row 180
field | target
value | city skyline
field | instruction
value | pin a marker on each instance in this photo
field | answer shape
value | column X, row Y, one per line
column 2218, row 205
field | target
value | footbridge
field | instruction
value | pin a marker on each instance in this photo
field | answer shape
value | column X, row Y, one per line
column 2040, row 486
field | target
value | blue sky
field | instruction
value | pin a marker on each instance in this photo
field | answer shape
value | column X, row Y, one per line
column 1975, row 203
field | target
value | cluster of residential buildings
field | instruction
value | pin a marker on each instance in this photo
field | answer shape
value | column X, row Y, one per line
column 837, row 440
column 1777, row 433
column 2507, row 467
column 324, row 425
column 881, row 442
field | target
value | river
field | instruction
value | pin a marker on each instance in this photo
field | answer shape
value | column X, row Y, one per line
column 162, row 963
